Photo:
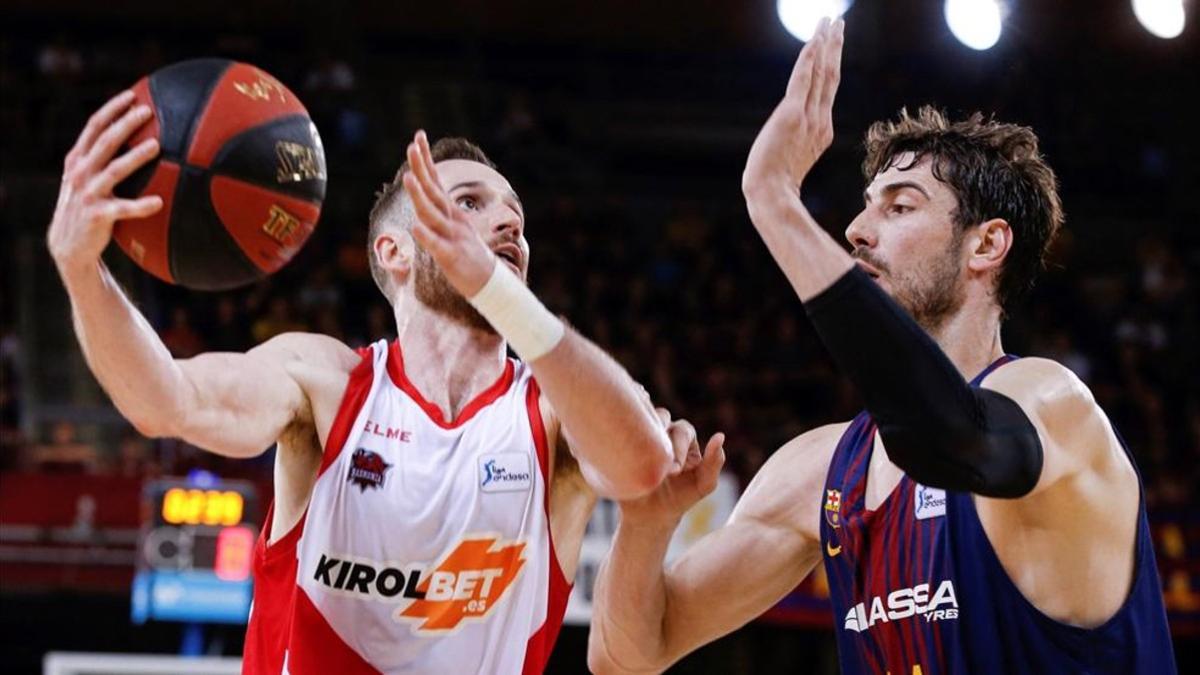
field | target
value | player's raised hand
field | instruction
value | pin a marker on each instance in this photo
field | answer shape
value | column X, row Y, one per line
column 801, row 127
column 441, row 227
column 692, row 478
column 86, row 209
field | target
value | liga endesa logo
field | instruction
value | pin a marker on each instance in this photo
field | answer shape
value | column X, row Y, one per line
column 505, row 472
column 468, row 582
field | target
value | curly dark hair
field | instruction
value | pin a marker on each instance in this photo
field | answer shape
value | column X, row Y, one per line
column 389, row 197
column 994, row 169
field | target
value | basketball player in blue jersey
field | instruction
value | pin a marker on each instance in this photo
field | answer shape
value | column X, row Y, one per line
column 982, row 515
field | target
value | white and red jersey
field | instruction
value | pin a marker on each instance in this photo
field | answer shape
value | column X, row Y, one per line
column 426, row 544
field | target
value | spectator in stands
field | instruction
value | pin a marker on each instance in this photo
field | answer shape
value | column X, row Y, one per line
column 11, row 437
column 64, row 452
column 330, row 75
column 228, row 332
column 180, row 336
column 280, row 318
column 60, row 61
column 136, row 457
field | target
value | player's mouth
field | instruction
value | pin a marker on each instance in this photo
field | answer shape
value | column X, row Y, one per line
column 869, row 269
column 510, row 254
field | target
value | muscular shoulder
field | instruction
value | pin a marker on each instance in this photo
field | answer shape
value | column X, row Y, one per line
column 787, row 490
column 1045, row 386
column 1077, row 438
column 309, row 349
column 1059, row 404
column 320, row 367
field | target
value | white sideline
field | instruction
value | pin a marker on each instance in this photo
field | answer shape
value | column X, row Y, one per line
column 91, row 663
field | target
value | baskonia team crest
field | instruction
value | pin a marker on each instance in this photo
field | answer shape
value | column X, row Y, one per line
column 367, row 469
column 833, row 508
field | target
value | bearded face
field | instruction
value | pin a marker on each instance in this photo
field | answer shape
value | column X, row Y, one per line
column 494, row 211
column 433, row 289
column 931, row 291
column 910, row 241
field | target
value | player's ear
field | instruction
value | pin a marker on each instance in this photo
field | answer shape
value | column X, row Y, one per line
column 989, row 243
column 396, row 251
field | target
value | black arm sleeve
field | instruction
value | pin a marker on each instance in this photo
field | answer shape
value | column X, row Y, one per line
column 937, row 428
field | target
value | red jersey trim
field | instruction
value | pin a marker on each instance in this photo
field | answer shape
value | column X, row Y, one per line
column 316, row 649
column 541, row 643
column 285, row 544
column 270, row 623
column 357, row 390
column 275, row 564
column 395, row 368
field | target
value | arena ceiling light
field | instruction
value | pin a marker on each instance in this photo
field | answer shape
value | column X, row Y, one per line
column 1163, row 18
column 800, row 17
column 976, row 23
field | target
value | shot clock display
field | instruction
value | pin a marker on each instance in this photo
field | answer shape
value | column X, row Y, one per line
column 193, row 506
column 197, row 546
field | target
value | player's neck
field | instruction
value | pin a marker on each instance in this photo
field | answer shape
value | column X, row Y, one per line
column 970, row 338
column 448, row 362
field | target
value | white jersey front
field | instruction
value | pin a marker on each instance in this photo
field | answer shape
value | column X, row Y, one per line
column 426, row 545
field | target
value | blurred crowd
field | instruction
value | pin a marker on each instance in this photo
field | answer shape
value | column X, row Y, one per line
column 673, row 282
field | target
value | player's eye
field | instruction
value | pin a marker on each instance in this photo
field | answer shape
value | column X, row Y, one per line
column 899, row 209
column 468, row 203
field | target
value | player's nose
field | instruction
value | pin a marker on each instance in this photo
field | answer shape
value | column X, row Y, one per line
column 860, row 233
column 508, row 223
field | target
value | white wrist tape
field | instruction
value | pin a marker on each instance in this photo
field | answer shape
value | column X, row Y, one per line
column 517, row 315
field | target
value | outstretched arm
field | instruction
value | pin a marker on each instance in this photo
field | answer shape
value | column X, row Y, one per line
column 232, row 404
column 798, row 132
column 646, row 617
column 610, row 425
column 941, row 431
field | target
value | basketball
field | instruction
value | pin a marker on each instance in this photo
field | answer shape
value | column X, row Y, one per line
column 241, row 173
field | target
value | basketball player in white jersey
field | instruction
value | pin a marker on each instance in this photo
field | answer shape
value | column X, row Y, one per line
column 430, row 494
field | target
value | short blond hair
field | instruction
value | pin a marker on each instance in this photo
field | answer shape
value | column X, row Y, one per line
column 389, row 199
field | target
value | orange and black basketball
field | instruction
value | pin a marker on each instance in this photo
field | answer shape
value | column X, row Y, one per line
column 241, row 173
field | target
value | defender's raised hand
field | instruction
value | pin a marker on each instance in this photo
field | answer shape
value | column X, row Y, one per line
column 693, row 476
column 794, row 137
column 441, row 228
column 801, row 127
column 86, row 209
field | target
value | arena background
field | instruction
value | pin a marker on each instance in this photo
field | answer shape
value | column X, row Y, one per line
column 624, row 125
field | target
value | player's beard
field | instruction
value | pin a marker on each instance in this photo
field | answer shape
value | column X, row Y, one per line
column 434, row 290
column 933, row 291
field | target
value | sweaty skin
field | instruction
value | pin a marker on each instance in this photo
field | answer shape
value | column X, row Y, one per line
column 1067, row 545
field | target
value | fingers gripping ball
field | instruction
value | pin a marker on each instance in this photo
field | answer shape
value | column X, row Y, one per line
column 241, row 175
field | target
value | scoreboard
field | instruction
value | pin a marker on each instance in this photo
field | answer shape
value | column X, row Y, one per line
column 195, row 551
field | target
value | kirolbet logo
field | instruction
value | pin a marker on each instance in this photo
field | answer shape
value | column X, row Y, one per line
column 468, row 582
column 369, row 579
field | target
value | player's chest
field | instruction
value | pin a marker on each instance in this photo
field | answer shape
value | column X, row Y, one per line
column 400, row 461
column 905, row 538
column 883, row 512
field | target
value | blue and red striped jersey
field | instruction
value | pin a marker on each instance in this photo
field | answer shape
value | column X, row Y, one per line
column 918, row 590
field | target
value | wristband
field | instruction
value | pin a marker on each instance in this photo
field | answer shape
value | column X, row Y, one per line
column 517, row 315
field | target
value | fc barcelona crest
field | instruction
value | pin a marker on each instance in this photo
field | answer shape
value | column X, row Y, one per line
column 833, row 508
